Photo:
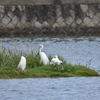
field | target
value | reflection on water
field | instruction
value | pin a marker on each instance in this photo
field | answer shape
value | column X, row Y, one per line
column 82, row 50
column 72, row 88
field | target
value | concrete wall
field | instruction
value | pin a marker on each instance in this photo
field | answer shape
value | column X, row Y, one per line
column 49, row 17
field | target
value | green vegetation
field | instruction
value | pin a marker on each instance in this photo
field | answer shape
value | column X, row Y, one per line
column 9, row 61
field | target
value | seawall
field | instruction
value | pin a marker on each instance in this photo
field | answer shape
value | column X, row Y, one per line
column 49, row 18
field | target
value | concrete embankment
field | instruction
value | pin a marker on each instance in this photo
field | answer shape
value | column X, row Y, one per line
column 49, row 18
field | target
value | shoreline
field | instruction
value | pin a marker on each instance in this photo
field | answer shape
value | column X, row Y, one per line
column 49, row 32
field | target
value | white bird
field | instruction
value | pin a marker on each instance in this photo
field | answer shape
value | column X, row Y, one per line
column 55, row 61
column 22, row 63
column 43, row 57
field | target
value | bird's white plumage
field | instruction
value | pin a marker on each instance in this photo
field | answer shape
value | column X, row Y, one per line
column 55, row 61
column 43, row 57
column 22, row 63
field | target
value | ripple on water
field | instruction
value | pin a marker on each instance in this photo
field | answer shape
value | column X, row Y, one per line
column 72, row 88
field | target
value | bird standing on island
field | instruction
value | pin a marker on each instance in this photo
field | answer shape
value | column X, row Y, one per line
column 22, row 63
column 43, row 57
column 55, row 61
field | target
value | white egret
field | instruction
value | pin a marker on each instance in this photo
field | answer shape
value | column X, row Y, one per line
column 55, row 61
column 43, row 57
column 22, row 63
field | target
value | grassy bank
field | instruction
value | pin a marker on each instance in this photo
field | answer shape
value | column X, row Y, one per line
column 10, row 60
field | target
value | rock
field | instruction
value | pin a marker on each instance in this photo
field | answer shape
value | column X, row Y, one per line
column 2, row 26
column 91, row 24
column 72, row 13
column 55, row 25
column 23, row 19
column 13, row 8
column 1, row 9
column 58, row 10
column 73, row 24
column 95, row 20
column 60, row 20
column 78, row 21
column 1, row 15
column 5, row 20
column 10, row 26
column 90, row 14
column 45, row 24
column 20, row 25
column 63, row 24
column 28, row 25
column 84, row 8
column 38, row 25
column 87, row 21
column 10, row 14
column 69, row 20
column 14, row 20
column 20, row 7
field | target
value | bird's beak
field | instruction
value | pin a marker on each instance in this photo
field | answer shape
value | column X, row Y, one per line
column 38, row 45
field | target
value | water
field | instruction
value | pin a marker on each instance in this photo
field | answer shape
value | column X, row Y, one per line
column 73, row 88
column 82, row 50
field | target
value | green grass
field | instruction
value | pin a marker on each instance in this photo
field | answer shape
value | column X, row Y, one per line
column 9, row 62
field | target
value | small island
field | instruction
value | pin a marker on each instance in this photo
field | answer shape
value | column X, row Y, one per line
column 9, row 62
